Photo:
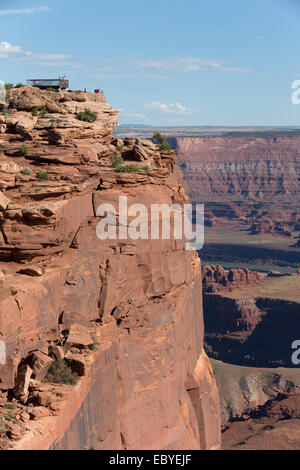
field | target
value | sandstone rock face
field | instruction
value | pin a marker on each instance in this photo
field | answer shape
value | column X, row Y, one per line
column 149, row 385
column 238, row 330
column 215, row 278
column 244, row 389
column 247, row 179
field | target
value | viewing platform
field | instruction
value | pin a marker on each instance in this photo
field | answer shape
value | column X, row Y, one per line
column 56, row 84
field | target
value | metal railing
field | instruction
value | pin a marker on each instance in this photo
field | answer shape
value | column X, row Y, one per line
column 49, row 83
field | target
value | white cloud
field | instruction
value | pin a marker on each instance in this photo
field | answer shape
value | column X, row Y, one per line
column 24, row 11
column 175, row 108
column 9, row 51
column 158, row 113
column 165, row 65
column 132, row 115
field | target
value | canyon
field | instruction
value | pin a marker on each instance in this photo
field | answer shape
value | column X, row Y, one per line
column 249, row 183
column 124, row 316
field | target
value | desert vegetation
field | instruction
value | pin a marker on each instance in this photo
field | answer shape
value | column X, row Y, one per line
column 87, row 115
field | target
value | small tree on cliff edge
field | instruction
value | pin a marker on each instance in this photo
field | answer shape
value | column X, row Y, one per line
column 163, row 142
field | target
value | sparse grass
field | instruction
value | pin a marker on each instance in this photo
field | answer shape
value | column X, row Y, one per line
column 42, row 175
column 24, row 150
column 94, row 346
column 43, row 111
column 9, row 416
column 10, row 406
column 40, row 111
column 27, row 171
column 163, row 142
column 87, row 115
column 116, row 160
column 8, row 87
column 61, row 373
column 131, row 168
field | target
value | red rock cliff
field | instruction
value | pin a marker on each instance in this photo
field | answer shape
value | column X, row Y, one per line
column 247, row 178
column 149, row 384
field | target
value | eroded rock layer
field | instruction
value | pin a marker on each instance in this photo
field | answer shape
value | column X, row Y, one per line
column 248, row 179
column 148, row 384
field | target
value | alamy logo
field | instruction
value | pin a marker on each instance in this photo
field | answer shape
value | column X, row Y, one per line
column 2, row 352
column 296, row 354
column 2, row 92
column 296, row 93
column 159, row 222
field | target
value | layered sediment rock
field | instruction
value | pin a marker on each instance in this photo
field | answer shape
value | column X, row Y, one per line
column 246, row 179
column 256, row 332
column 149, row 384
column 216, row 278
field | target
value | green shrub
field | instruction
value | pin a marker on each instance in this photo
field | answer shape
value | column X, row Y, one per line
column 8, row 87
column 4, row 271
column 19, row 85
column 163, row 142
column 24, row 150
column 39, row 111
column 50, row 88
column 131, row 168
column 42, row 175
column 27, row 171
column 43, row 111
column 61, row 373
column 10, row 406
column 116, row 160
column 145, row 168
column 94, row 346
column 87, row 115
column 9, row 416
column 1, row 150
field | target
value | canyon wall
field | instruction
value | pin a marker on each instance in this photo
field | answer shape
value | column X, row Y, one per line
column 256, row 332
column 149, row 384
column 251, row 179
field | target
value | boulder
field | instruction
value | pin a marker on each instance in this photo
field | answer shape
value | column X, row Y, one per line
column 39, row 412
column 57, row 352
column 79, row 336
column 8, row 171
column 76, row 363
column 26, row 99
column 41, row 364
column 4, row 201
column 7, row 377
column 26, row 124
column 34, row 271
column 69, row 318
column 14, row 431
column 22, row 382
column 45, row 398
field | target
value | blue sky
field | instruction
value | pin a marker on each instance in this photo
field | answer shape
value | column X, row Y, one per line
column 166, row 62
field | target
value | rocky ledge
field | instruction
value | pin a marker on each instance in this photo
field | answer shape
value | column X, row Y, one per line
column 122, row 318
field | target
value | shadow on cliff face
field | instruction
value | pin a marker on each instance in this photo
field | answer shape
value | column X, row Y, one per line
column 259, row 334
